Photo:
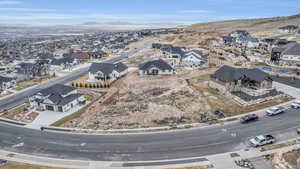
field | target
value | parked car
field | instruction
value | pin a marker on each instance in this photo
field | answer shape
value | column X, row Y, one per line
column 295, row 105
column 275, row 111
column 249, row 118
column 262, row 140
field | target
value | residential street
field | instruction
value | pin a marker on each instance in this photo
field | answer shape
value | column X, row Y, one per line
column 150, row 146
column 21, row 97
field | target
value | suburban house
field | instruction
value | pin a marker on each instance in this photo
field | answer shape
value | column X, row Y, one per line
column 289, row 28
column 287, row 54
column 57, row 98
column 193, row 59
column 239, row 34
column 251, row 81
column 63, row 63
column 7, row 83
column 31, row 70
column 156, row 67
column 249, row 42
column 291, row 53
column 180, row 56
column 101, row 72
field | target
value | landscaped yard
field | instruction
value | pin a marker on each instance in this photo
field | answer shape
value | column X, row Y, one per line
column 20, row 113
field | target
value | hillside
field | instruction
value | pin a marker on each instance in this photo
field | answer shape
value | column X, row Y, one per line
column 265, row 26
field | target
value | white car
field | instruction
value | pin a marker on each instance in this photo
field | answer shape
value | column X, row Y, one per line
column 262, row 140
column 275, row 111
column 296, row 105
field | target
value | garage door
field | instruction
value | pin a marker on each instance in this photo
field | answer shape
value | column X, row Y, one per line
column 51, row 108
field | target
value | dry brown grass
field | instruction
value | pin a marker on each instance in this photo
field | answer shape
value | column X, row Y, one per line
column 265, row 27
column 15, row 165
column 292, row 157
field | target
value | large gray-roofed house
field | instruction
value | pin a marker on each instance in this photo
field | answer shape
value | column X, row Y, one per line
column 100, row 72
column 291, row 53
column 58, row 98
column 156, row 67
column 235, row 78
column 57, row 89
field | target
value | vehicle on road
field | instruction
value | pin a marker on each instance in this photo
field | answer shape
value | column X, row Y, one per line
column 249, row 118
column 296, row 105
column 262, row 140
column 298, row 130
column 275, row 111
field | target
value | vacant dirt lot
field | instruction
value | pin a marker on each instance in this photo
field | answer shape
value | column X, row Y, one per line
column 148, row 102
column 14, row 165
column 292, row 157
column 137, row 102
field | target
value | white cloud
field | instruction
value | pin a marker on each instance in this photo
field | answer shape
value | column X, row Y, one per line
column 194, row 11
column 10, row 2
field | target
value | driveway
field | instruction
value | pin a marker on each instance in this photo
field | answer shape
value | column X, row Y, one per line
column 46, row 118
column 292, row 91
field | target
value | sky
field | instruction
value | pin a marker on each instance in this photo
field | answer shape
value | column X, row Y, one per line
column 140, row 11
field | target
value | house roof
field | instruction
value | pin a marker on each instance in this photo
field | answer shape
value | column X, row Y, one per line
column 69, row 98
column 160, row 64
column 61, row 61
column 57, row 89
column 230, row 74
column 5, row 79
column 107, row 68
column 288, row 27
column 198, row 54
column 293, row 49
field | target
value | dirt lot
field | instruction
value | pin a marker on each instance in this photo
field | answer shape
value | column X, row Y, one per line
column 292, row 157
column 142, row 57
column 14, row 165
column 137, row 102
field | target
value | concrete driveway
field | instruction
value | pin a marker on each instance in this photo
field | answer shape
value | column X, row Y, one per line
column 292, row 91
column 46, row 118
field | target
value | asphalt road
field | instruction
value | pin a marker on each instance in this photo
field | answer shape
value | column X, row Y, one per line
column 151, row 146
column 22, row 97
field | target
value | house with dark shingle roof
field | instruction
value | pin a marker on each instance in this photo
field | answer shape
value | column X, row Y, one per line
column 236, row 79
column 7, row 83
column 63, row 63
column 156, row 67
column 58, row 98
column 289, row 28
column 101, row 72
column 291, row 53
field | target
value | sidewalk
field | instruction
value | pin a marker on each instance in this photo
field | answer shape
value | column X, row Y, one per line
column 220, row 161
